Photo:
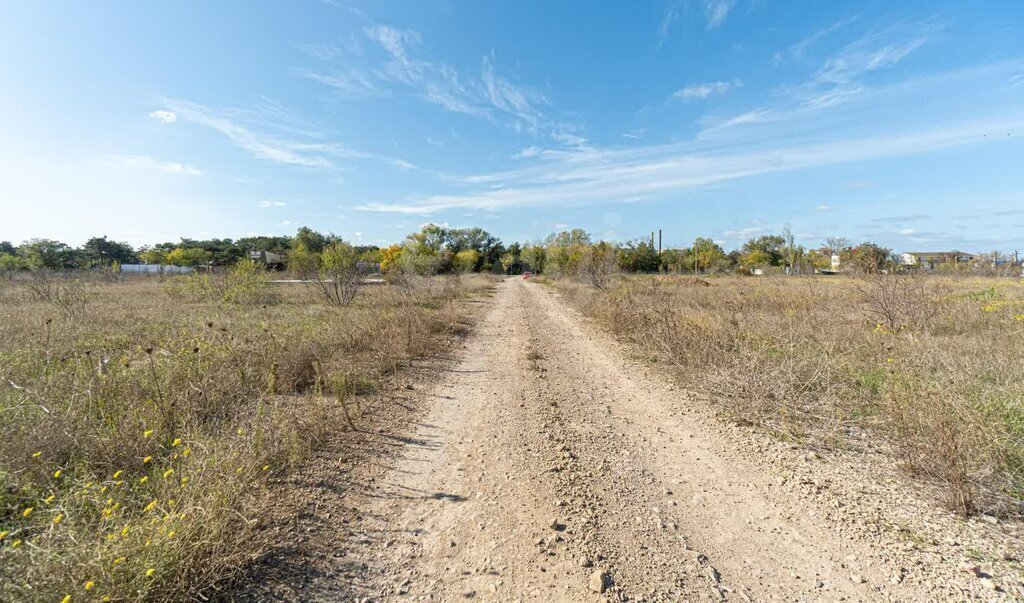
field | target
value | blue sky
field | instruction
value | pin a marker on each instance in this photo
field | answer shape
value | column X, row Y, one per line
column 901, row 123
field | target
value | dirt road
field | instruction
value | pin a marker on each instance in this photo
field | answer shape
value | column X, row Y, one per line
column 545, row 464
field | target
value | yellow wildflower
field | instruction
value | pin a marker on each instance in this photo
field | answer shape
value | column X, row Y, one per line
column 37, row 454
column 265, row 467
column 151, row 505
column 124, row 530
column 27, row 512
column 49, row 499
column 147, row 459
column 150, row 572
column 66, row 599
column 170, row 502
column 187, row 451
column 16, row 544
column 143, row 479
column 58, row 517
column 168, row 473
column 147, row 433
column 3, row 534
column 176, row 442
column 119, row 561
column 118, row 473
column 105, row 598
column 56, row 474
column 238, row 470
column 88, row 585
column 170, row 534
column 889, row 360
column 184, row 481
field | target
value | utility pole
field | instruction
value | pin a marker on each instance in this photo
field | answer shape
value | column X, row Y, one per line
column 659, row 241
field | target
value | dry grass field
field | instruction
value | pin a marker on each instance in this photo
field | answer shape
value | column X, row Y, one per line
column 930, row 369
column 143, row 416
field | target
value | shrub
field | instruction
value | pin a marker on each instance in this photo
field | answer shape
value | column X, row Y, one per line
column 138, row 437
column 935, row 377
column 247, row 282
column 341, row 273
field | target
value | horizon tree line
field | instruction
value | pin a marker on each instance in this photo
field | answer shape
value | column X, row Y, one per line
column 436, row 250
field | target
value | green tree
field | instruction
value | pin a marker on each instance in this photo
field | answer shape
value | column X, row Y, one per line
column 466, row 260
column 535, row 257
column 508, row 261
column 303, row 262
column 639, row 256
column 11, row 263
column 98, row 251
column 869, row 258
column 707, row 254
column 756, row 258
column 153, row 255
column 47, row 253
column 310, row 239
column 6, row 247
column 772, row 245
column 369, row 254
column 189, row 256
column 565, row 251
column 279, row 245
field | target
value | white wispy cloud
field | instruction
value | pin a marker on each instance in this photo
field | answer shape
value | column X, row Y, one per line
column 665, row 26
column 271, row 134
column 717, row 11
column 798, row 50
column 271, row 204
column 145, row 162
column 168, row 117
column 506, row 96
column 743, row 233
column 841, row 78
column 272, row 147
column 823, row 207
column 877, row 50
column 706, row 89
column 600, row 176
column 350, row 83
column 489, row 96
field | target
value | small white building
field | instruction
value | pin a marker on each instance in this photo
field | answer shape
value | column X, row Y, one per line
column 929, row 260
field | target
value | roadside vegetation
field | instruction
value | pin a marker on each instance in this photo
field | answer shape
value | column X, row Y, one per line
column 142, row 416
column 929, row 369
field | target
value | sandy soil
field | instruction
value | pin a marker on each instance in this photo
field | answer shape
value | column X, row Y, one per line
column 541, row 462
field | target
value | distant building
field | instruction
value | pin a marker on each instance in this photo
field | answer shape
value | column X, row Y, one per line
column 929, row 260
column 267, row 258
